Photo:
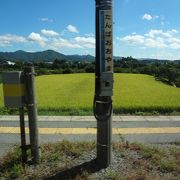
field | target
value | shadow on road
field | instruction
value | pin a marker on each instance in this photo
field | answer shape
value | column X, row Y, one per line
column 90, row 167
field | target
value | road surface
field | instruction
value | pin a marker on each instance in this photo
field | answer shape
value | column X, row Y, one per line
column 145, row 129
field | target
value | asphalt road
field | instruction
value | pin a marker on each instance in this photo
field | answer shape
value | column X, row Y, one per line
column 145, row 129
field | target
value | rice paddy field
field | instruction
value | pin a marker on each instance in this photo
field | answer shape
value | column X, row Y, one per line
column 73, row 94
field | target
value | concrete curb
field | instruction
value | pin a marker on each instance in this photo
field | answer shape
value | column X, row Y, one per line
column 91, row 118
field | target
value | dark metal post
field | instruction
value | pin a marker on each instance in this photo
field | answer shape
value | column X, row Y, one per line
column 23, row 135
column 104, row 81
column 32, row 113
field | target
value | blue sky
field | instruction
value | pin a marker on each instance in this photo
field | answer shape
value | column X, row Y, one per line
column 142, row 28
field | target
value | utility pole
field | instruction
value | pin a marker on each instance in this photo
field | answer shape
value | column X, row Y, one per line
column 32, row 113
column 104, row 81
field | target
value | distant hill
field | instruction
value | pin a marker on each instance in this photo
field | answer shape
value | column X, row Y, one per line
column 80, row 57
column 156, row 61
column 117, row 58
column 48, row 55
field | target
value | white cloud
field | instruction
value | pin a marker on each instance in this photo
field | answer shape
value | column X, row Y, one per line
column 72, row 29
column 147, row 17
column 167, row 34
column 155, row 43
column 135, row 39
column 8, row 39
column 63, row 43
column 49, row 32
column 154, row 32
column 90, row 35
column 46, row 20
column 173, row 40
column 155, row 38
column 50, row 39
column 175, row 45
column 174, row 31
column 37, row 38
column 88, row 42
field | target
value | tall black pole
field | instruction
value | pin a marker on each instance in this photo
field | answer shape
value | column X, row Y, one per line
column 32, row 113
column 104, row 81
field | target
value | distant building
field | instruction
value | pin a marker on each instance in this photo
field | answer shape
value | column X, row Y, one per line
column 4, row 62
column 10, row 63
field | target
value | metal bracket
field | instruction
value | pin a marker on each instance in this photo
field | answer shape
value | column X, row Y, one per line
column 106, row 84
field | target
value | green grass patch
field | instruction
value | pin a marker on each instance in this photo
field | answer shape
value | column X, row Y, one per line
column 72, row 94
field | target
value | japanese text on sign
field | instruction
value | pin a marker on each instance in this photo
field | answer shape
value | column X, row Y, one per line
column 108, row 40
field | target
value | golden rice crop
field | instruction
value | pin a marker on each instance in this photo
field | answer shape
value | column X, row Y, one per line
column 131, row 91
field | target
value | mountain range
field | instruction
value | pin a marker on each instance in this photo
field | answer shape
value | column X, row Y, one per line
column 48, row 56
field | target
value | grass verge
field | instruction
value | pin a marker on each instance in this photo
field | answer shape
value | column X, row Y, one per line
column 89, row 112
column 67, row 160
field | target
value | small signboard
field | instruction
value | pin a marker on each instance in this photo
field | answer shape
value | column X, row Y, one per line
column 13, row 89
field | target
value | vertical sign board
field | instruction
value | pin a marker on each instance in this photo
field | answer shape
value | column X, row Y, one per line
column 106, row 44
column 106, row 52
column 13, row 89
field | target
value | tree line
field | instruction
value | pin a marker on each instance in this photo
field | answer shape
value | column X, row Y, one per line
column 166, row 71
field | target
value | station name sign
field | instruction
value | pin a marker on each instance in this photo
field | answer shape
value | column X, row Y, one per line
column 106, row 40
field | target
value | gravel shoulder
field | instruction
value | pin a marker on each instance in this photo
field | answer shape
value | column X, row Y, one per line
column 67, row 160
